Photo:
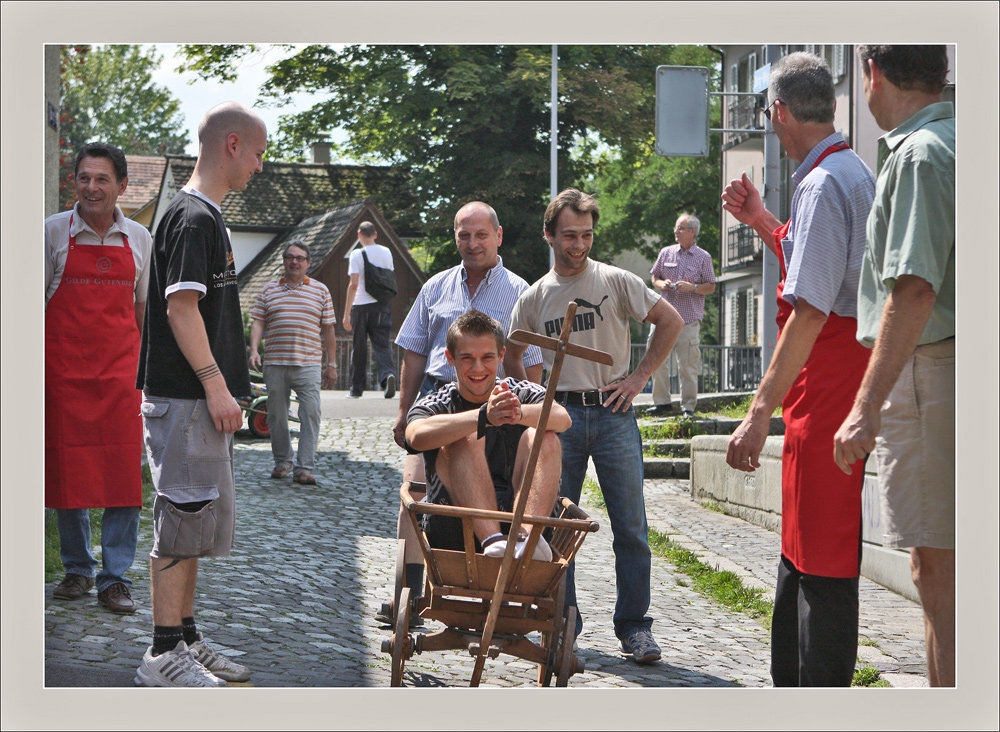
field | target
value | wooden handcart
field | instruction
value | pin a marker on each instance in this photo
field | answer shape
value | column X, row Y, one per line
column 489, row 605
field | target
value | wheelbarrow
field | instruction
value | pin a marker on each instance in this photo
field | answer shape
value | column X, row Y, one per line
column 487, row 604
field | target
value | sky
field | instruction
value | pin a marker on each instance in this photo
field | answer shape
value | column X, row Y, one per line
column 198, row 96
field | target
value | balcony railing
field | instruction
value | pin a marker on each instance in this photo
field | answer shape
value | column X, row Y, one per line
column 742, row 245
column 723, row 368
column 742, row 116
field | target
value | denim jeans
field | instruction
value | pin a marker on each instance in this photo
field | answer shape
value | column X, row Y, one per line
column 371, row 322
column 305, row 380
column 612, row 440
column 119, row 536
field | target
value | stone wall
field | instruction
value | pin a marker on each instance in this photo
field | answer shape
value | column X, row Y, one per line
column 756, row 497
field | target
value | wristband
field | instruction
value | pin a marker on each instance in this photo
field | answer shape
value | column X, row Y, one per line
column 483, row 422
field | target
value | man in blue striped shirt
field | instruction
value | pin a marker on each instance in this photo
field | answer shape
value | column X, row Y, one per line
column 814, row 373
column 481, row 282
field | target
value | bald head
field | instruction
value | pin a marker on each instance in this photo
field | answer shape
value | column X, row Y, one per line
column 477, row 207
column 225, row 119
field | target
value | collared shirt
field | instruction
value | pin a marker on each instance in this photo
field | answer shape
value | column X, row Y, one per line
column 58, row 232
column 911, row 230
column 443, row 298
column 826, row 239
column 293, row 321
column 677, row 265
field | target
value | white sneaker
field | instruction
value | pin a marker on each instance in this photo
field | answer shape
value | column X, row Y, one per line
column 175, row 668
column 225, row 668
column 542, row 553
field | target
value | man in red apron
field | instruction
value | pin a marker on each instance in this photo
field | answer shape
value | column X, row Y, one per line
column 97, row 268
column 814, row 373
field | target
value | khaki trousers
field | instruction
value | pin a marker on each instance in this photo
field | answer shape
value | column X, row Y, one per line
column 688, row 354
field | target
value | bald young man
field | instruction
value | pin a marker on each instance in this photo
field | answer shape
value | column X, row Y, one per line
column 192, row 366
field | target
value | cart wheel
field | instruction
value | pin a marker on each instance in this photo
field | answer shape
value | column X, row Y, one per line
column 567, row 660
column 401, row 637
column 550, row 640
column 258, row 423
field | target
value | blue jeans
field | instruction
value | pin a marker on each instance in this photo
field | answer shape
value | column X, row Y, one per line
column 612, row 440
column 119, row 536
column 305, row 380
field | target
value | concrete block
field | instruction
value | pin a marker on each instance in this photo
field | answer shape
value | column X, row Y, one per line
column 756, row 497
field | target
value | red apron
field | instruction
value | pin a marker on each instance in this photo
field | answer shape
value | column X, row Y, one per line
column 820, row 505
column 93, row 429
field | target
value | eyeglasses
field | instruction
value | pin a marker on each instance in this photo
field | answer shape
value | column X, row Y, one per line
column 767, row 112
column 295, row 258
column 683, row 228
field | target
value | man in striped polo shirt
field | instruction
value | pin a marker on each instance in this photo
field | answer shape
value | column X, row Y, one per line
column 296, row 314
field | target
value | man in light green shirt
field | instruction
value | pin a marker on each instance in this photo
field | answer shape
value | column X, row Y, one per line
column 904, row 411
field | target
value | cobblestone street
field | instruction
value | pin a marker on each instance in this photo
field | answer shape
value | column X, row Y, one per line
column 297, row 601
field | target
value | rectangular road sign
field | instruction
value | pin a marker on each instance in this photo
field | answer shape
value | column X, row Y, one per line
column 682, row 111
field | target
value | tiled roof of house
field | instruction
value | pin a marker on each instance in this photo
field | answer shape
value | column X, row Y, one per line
column 321, row 233
column 145, row 174
column 285, row 193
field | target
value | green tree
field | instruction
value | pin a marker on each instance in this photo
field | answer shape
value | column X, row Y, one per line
column 468, row 122
column 108, row 95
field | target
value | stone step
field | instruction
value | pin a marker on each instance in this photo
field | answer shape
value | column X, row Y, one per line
column 667, row 467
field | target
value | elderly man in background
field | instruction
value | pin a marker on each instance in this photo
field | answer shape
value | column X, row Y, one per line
column 683, row 274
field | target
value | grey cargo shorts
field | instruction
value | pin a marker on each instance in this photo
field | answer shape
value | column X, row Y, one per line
column 194, row 513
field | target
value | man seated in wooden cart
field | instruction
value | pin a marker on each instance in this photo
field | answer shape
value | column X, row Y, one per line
column 475, row 435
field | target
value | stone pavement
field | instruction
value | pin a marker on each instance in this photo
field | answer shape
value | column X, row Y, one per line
column 297, row 600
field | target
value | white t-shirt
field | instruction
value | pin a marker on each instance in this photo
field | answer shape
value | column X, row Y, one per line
column 379, row 256
column 606, row 298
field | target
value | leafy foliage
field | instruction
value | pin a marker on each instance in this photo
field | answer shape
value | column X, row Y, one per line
column 108, row 95
column 472, row 122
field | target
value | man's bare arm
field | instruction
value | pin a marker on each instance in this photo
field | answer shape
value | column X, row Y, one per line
column 743, row 201
column 256, row 335
column 513, row 363
column 439, row 430
column 352, row 291
column 668, row 325
column 329, row 333
column 411, row 375
column 904, row 317
column 188, row 329
column 790, row 355
column 140, row 313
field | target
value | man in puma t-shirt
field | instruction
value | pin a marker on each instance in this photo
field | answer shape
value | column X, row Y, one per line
column 598, row 397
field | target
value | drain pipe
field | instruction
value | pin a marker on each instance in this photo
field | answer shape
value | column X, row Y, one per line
column 720, row 326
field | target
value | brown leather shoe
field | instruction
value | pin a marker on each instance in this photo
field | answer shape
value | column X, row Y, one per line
column 117, row 599
column 304, row 477
column 72, row 587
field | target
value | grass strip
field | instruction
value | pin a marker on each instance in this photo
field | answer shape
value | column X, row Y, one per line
column 722, row 586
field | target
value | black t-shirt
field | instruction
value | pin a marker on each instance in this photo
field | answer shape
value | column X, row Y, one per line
column 191, row 245
column 501, row 440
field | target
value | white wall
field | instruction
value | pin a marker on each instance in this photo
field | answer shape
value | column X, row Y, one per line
column 246, row 246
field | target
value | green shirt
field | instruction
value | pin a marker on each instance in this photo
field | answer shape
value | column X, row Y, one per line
column 911, row 228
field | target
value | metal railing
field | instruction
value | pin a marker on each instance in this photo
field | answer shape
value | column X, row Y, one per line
column 742, row 116
column 723, row 368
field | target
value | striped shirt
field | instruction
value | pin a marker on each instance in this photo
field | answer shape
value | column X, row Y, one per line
column 826, row 239
column 694, row 266
column 443, row 298
column 293, row 318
